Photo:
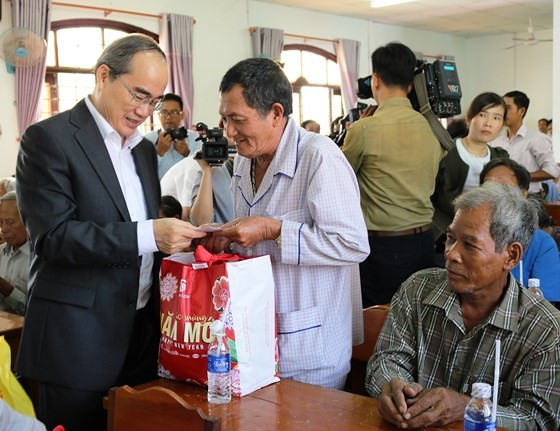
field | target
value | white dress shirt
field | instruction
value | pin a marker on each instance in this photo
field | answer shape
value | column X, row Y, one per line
column 123, row 163
column 14, row 268
column 178, row 181
column 531, row 149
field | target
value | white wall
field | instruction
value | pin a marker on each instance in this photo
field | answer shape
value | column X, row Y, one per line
column 221, row 38
column 525, row 68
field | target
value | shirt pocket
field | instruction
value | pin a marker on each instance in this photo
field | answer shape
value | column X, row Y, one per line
column 298, row 332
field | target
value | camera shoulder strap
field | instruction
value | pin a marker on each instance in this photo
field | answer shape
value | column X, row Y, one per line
column 229, row 166
column 425, row 109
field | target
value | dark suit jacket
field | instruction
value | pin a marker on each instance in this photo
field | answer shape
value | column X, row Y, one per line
column 85, row 266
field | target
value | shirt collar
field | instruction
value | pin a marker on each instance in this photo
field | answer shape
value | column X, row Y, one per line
column 504, row 316
column 286, row 158
column 522, row 131
column 395, row 101
column 106, row 130
column 24, row 249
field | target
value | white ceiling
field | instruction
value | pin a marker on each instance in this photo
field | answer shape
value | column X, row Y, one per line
column 468, row 18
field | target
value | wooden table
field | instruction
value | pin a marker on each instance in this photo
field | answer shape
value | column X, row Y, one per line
column 290, row 406
column 10, row 327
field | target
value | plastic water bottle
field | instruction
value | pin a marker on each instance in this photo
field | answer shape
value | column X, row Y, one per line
column 478, row 413
column 534, row 286
column 219, row 366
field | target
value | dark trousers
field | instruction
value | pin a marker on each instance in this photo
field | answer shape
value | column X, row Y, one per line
column 80, row 410
column 391, row 261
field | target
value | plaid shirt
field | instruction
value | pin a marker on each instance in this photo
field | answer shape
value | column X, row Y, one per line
column 424, row 340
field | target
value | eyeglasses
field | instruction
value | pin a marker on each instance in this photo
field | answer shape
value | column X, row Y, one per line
column 153, row 104
column 165, row 113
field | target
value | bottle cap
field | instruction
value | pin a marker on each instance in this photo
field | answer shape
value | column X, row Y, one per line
column 481, row 390
column 533, row 282
column 217, row 327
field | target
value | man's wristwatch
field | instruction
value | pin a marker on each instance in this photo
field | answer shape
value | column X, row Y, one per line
column 278, row 241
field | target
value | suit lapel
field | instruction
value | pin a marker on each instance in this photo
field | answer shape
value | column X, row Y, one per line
column 91, row 141
column 147, row 171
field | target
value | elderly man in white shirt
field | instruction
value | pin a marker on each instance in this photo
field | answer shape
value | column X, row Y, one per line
column 7, row 184
column 529, row 148
column 14, row 257
column 296, row 198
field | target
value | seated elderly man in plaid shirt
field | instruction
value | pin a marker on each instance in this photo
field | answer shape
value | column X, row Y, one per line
column 439, row 336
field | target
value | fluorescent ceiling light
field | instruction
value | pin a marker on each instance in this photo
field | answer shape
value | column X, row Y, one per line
column 383, row 3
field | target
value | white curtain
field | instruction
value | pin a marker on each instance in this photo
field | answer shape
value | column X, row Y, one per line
column 348, row 58
column 175, row 39
column 34, row 15
column 267, row 42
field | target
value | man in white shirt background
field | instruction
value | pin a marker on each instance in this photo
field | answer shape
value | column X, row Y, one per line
column 14, row 257
column 529, row 148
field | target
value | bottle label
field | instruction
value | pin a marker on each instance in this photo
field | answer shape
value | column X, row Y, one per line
column 218, row 364
column 479, row 426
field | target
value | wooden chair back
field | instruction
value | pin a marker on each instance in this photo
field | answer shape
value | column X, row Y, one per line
column 155, row 408
column 374, row 317
column 553, row 210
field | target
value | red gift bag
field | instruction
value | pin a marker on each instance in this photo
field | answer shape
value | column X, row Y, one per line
column 197, row 289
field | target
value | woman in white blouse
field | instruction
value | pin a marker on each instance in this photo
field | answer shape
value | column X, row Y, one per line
column 459, row 170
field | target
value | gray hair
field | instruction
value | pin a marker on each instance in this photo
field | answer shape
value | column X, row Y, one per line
column 118, row 55
column 10, row 196
column 264, row 84
column 514, row 218
column 9, row 183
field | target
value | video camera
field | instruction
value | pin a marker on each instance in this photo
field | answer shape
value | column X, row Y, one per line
column 214, row 149
column 442, row 87
column 178, row 133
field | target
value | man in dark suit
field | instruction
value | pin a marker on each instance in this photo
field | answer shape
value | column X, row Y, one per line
column 89, row 196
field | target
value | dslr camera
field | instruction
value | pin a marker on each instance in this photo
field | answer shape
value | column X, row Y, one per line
column 442, row 87
column 214, row 146
column 178, row 133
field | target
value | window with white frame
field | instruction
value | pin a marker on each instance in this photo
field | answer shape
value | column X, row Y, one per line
column 315, row 79
column 73, row 48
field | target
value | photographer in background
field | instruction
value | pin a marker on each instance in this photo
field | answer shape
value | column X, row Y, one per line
column 170, row 142
column 395, row 156
column 212, row 200
column 345, row 122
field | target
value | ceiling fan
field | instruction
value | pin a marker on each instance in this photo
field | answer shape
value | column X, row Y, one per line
column 529, row 41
